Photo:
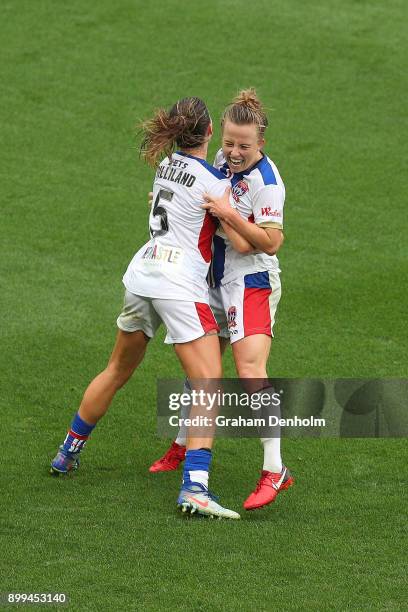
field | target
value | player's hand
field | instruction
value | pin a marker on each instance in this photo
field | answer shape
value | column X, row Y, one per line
column 150, row 196
column 219, row 207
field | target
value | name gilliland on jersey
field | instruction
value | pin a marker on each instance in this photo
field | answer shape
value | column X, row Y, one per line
column 171, row 173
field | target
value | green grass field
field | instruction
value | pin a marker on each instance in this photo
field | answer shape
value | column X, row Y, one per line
column 75, row 79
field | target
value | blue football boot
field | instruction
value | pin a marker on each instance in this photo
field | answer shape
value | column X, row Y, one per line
column 64, row 462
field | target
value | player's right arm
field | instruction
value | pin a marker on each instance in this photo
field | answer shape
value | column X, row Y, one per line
column 238, row 242
column 265, row 235
column 265, row 239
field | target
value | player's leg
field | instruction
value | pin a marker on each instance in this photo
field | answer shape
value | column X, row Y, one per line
column 252, row 303
column 128, row 352
column 201, row 361
column 251, row 354
column 175, row 454
column 251, row 311
column 193, row 331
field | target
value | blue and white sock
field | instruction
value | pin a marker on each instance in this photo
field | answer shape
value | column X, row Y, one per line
column 77, row 435
column 196, row 468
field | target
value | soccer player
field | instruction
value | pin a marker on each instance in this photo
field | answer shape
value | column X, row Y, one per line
column 166, row 282
column 247, row 286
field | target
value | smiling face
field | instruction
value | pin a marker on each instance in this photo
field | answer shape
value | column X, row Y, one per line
column 241, row 145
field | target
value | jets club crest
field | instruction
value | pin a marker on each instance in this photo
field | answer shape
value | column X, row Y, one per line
column 232, row 316
column 240, row 189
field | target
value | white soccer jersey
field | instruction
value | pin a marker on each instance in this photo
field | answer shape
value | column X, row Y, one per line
column 259, row 195
column 175, row 262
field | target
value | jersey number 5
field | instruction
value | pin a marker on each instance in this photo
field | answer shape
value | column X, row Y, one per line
column 160, row 212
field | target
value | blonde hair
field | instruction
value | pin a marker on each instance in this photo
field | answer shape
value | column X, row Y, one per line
column 184, row 125
column 246, row 109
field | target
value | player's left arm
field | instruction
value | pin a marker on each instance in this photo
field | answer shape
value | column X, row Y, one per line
column 267, row 208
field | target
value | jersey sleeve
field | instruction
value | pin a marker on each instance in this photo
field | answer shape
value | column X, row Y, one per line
column 268, row 206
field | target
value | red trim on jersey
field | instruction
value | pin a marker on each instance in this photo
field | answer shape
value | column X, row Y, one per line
column 75, row 435
column 251, row 218
column 206, row 235
column 206, row 316
column 257, row 313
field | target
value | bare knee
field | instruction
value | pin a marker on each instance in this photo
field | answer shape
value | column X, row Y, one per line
column 250, row 370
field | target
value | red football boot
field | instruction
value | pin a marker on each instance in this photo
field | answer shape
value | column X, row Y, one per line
column 170, row 460
column 268, row 487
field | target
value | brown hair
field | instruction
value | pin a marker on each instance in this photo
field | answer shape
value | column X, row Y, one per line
column 184, row 125
column 246, row 108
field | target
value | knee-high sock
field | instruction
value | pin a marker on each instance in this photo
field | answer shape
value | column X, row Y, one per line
column 272, row 455
column 272, row 446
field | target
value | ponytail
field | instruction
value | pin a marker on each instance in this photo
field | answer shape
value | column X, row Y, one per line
column 185, row 126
